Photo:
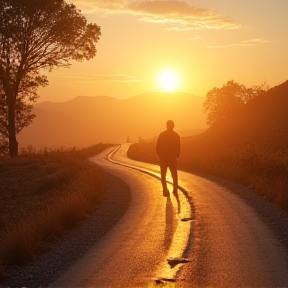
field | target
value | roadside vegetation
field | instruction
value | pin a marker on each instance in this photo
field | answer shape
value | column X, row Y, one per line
column 264, row 172
column 42, row 195
column 247, row 144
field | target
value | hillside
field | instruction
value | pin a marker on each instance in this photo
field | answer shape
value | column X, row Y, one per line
column 263, row 123
column 85, row 121
column 251, row 148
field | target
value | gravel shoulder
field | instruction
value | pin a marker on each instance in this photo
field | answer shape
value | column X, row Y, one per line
column 70, row 248
column 237, row 237
column 274, row 217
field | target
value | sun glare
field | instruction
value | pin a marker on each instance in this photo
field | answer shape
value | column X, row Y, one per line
column 168, row 81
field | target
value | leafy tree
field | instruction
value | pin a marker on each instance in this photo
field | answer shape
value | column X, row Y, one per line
column 27, row 95
column 36, row 35
column 224, row 103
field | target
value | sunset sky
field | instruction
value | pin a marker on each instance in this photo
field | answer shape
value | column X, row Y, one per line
column 205, row 42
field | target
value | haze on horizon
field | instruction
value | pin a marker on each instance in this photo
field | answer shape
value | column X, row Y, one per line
column 206, row 43
column 85, row 121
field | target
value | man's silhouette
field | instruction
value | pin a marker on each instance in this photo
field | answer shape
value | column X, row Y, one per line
column 168, row 150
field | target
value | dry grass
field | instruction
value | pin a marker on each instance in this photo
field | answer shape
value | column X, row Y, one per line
column 18, row 243
column 41, row 196
column 264, row 171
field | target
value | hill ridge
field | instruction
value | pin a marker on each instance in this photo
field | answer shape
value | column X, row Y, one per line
column 85, row 121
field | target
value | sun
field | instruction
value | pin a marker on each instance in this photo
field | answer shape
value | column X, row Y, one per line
column 168, row 80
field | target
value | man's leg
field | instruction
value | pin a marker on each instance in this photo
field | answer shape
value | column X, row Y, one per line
column 163, row 170
column 174, row 174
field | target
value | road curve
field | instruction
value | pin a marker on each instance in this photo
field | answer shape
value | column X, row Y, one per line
column 220, row 239
column 135, row 252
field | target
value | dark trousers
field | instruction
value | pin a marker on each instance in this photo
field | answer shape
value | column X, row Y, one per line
column 170, row 163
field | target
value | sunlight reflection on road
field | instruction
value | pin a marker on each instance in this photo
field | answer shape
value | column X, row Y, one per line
column 181, row 208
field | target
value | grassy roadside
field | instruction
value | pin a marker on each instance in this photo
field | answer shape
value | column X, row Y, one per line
column 263, row 170
column 42, row 195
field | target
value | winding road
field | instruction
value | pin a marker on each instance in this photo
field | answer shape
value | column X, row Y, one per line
column 207, row 236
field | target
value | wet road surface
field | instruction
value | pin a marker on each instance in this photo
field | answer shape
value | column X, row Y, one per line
column 207, row 236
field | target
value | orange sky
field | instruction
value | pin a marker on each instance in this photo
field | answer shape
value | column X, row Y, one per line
column 206, row 42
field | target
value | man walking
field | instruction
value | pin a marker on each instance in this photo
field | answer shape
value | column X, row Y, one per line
column 168, row 150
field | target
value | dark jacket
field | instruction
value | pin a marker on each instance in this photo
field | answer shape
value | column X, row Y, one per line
column 168, row 144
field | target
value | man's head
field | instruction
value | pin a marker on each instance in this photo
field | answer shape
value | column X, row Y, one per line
column 170, row 125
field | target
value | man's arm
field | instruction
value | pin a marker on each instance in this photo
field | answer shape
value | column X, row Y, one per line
column 158, row 145
column 178, row 146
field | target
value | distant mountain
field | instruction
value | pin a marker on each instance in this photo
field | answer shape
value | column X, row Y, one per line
column 263, row 123
column 85, row 120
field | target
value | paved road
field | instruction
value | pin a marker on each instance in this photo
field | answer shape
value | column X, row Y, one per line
column 208, row 234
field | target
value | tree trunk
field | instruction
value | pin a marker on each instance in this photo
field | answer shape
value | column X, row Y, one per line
column 13, row 144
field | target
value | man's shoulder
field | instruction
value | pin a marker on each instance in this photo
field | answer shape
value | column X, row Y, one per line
column 176, row 134
column 168, row 133
column 162, row 133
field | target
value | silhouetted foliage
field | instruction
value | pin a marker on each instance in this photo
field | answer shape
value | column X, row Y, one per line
column 3, row 145
column 36, row 35
column 226, row 102
column 27, row 95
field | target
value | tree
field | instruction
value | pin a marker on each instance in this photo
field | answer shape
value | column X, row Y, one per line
column 36, row 35
column 224, row 103
column 27, row 95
